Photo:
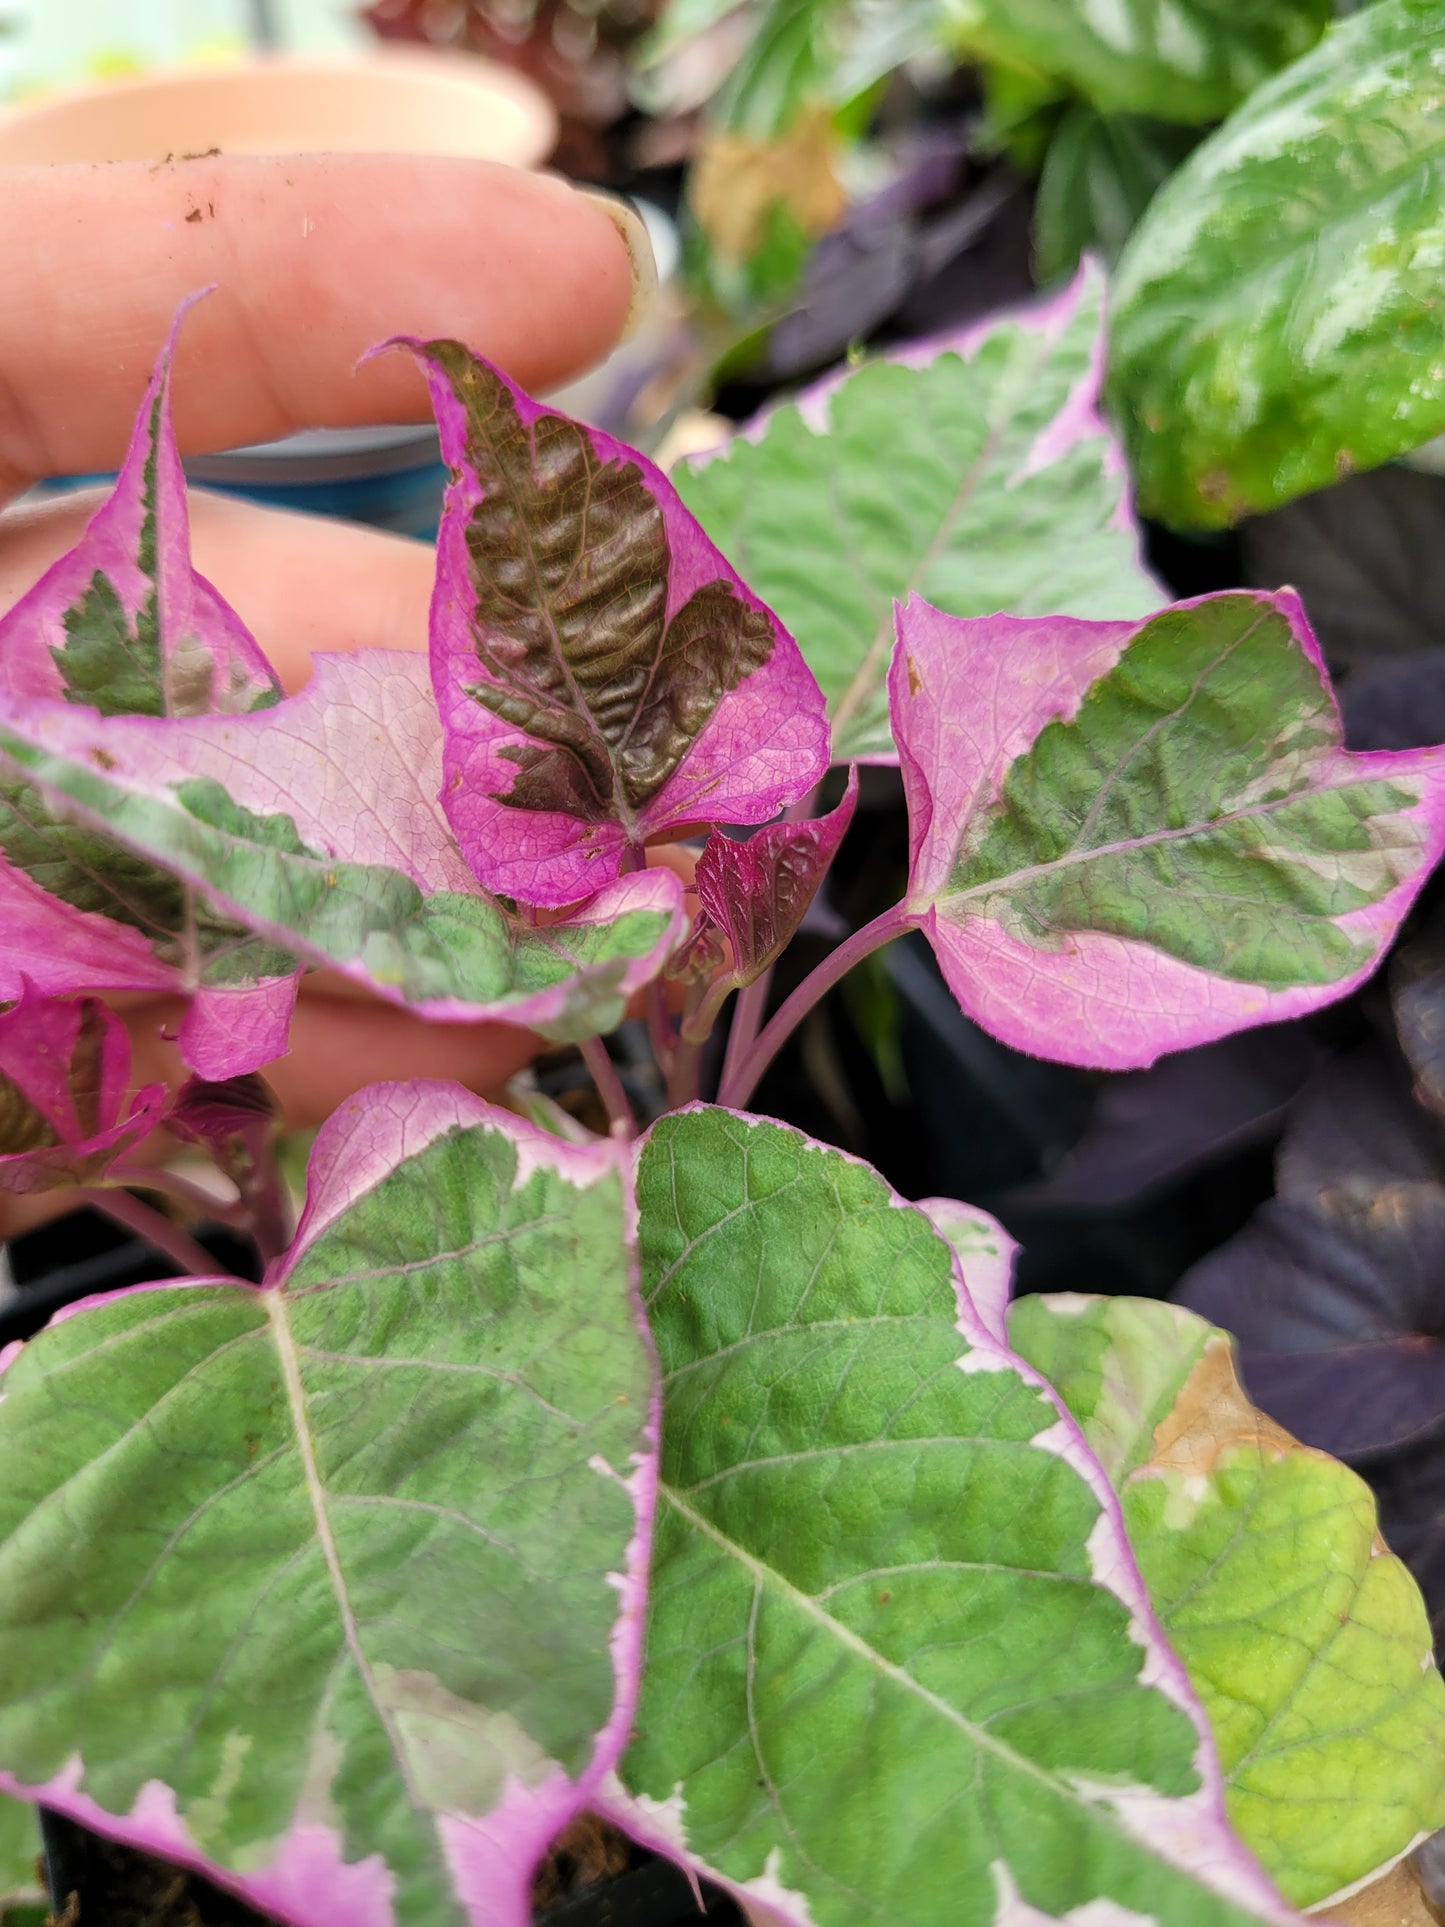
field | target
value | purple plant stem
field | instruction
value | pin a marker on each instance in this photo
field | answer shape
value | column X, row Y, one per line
column 157, row 1230
column 741, row 1080
column 748, row 1013
column 598, row 1059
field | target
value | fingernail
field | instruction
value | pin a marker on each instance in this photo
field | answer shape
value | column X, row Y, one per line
column 638, row 242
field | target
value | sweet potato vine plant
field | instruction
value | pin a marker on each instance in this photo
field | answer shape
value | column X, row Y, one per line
column 687, row 1475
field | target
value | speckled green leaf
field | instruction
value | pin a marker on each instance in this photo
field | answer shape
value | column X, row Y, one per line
column 1304, row 1637
column 977, row 474
column 1277, row 317
column 1179, row 60
column 898, row 1667
column 336, row 1585
column 19, row 1847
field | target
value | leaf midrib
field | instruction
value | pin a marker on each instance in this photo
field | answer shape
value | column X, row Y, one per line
column 866, row 681
column 994, row 886
column 287, row 1354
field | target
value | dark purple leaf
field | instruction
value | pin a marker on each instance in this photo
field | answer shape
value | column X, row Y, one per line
column 1333, row 1289
column 1152, row 1127
column 1417, row 996
column 1368, row 558
column 1395, row 702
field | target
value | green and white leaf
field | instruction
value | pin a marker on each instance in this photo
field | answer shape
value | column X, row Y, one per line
column 1305, row 1638
column 980, row 478
column 1178, row 60
column 892, row 1674
column 321, row 1581
column 1277, row 320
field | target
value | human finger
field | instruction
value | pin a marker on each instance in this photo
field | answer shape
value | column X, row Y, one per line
column 302, row 584
column 314, row 259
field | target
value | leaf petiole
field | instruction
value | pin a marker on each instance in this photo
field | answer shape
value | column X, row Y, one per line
column 741, row 1080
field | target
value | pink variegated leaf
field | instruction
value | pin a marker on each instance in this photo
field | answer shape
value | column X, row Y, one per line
column 901, row 1663
column 312, row 828
column 64, row 1086
column 375, row 1536
column 604, row 675
column 758, row 891
column 124, row 626
column 1131, row 837
column 123, row 623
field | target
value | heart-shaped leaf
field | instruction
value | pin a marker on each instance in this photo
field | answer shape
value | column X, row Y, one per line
column 975, row 471
column 758, row 891
column 315, row 827
column 335, row 1586
column 124, row 626
column 1183, row 60
column 603, row 675
column 1268, row 337
column 1128, row 838
column 886, row 1563
column 1333, row 1288
column 64, row 1081
column 1305, row 1639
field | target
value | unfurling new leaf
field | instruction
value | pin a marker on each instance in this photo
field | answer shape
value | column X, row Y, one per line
column 757, row 892
column 64, row 1081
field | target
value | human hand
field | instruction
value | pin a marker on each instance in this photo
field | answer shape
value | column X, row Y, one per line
column 314, row 258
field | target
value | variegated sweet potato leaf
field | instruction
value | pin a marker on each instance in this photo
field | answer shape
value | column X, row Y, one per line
column 900, row 1665
column 975, row 471
column 603, row 675
column 123, row 626
column 64, row 1086
column 757, row 891
column 314, row 828
column 1305, row 1638
column 1132, row 837
column 334, row 1587
column 123, row 623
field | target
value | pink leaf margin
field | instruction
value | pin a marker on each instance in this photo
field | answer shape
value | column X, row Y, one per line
column 968, row 697
column 189, row 609
column 309, row 1882
column 765, row 746
column 1191, row 1830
